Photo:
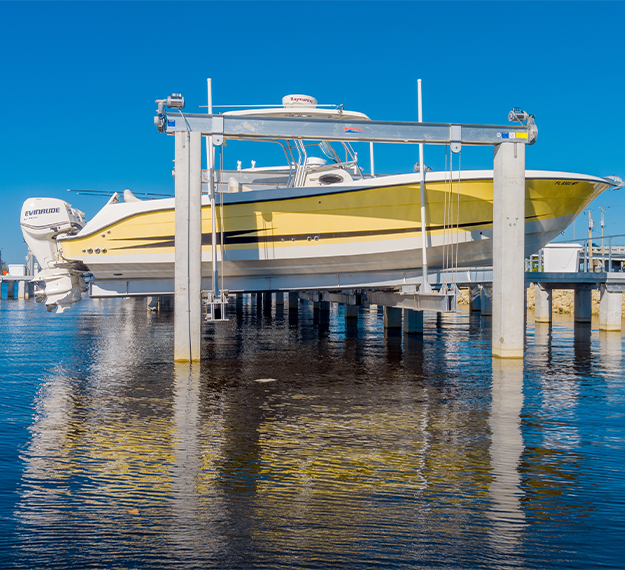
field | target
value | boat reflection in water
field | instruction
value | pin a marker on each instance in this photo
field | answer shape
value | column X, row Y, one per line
column 299, row 445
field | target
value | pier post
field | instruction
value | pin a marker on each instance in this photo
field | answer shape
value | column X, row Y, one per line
column 267, row 301
column 486, row 301
column 293, row 301
column 583, row 304
column 166, row 303
column 392, row 318
column 22, row 290
column 152, row 303
column 351, row 311
column 475, row 297
column 413, row 321
column 544, row 303
column 508, row 250
column 188, row 247
column 610, row 309
column 279, row 298
column 10, row 289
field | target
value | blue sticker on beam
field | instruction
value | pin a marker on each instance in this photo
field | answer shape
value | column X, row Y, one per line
column 171, row 123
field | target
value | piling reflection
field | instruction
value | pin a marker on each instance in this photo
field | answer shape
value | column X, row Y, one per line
column 543, row 335
column 582, row 347
column 611, row 353
column 194, row 502
column 505, row 451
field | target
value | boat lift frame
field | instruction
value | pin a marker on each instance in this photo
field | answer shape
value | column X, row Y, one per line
column 509, row 142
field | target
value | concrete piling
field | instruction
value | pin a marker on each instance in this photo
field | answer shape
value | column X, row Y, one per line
column 475, row 297
column 486, row 301
column 166, row 303
column 508, row 250
column 22, row 290
column 413, row 321
column 543, row 303
column 293, row 301
column 152, row 303
column 583, row 305
column 188, row 246
column 610, row 310
column 351, row 311
column 392, row 318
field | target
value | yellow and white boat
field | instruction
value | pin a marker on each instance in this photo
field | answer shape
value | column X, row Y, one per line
column 316, row 223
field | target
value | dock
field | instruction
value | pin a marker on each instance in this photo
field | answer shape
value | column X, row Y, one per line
column 17, row 286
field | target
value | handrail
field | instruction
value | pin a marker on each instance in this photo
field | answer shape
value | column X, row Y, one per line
column 587, row 239
column 588, row 266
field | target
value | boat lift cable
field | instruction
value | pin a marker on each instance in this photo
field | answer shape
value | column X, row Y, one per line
column 451, row 224
column 445, row 254
column 210, row 157
column 447, row 215
column 455, row 273
column 221, row 208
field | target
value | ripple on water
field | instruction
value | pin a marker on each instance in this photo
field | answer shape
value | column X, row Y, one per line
column 306, row 444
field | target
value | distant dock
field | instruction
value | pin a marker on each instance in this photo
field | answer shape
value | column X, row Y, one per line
column 16, row 286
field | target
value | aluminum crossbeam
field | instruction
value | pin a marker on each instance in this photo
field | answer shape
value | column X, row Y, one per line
column 223, row 127
column 331, row 297
column 415, row 301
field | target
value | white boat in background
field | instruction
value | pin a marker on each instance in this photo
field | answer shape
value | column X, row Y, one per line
column 316, row 222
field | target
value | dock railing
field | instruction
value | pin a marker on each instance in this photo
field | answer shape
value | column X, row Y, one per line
column 593, row 259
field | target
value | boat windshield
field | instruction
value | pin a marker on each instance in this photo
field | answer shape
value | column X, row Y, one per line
column 303, row 160
column 327, row 149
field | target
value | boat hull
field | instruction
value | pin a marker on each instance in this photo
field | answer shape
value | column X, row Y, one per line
column 335, row 236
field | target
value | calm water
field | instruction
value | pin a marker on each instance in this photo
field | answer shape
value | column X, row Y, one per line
column 299, row 444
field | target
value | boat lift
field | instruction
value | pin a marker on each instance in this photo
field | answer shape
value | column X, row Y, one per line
column 509, row 142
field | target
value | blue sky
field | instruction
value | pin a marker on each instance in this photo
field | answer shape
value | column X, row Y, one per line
column 79, row 80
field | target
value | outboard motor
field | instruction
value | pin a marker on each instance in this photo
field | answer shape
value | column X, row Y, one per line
column 43, row 220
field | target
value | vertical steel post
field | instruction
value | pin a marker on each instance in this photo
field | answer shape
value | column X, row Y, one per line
column 210, row 160
column 591, row 225
column 425, row 287
column 508, row 250
column 602, row 242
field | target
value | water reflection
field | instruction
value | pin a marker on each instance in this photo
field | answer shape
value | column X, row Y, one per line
column 611, row 353
column 505, row 452
column 543, row 336
column 299, row 445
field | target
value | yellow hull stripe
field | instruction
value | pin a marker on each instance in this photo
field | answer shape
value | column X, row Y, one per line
column 377, row 214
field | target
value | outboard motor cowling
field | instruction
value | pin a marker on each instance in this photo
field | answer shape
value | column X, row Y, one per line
column 43, row 220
